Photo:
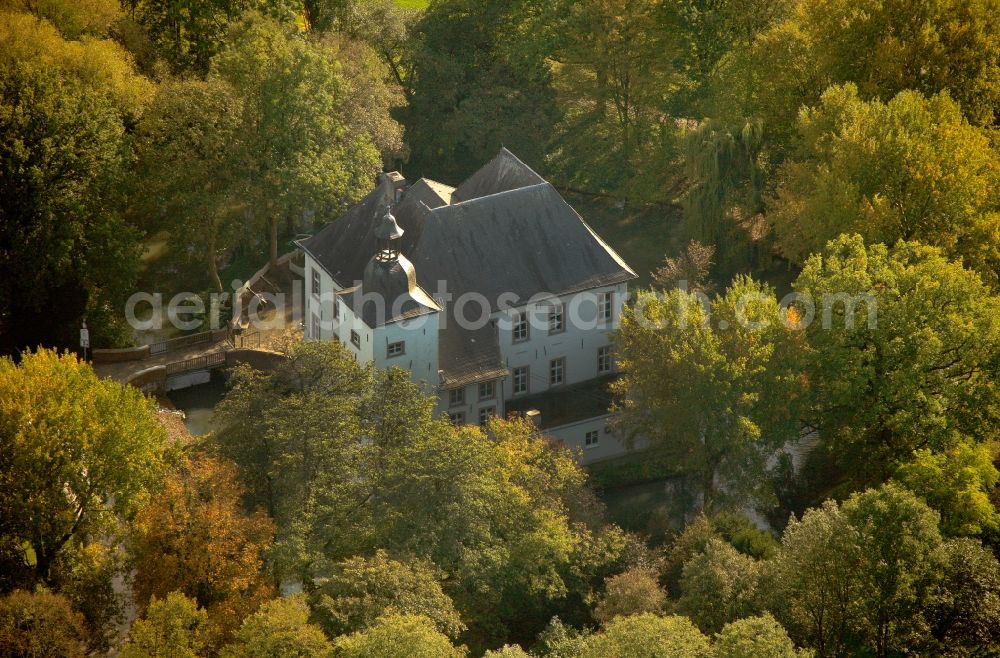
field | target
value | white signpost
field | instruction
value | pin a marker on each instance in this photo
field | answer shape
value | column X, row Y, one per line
column 84, row 339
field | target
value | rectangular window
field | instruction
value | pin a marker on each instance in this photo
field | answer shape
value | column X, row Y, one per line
column 487, row 391
column 336, row 309
column 592, row 439
column 456, row 397
column 557, row 371
column 395, row 349
column 486, row 413
column 315, row 327
column 556, row 323
column 355, row 338
column 604, row 306
column 519, row 326
column 520, row 380
column 605, row 361
column 315, row 282
column 457, row 417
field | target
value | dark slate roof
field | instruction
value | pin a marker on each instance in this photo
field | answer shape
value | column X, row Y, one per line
column 467, row 356
column 504, row 172
column 345, row 245
column 527, row 241
column 568, row 404
column 394, row 283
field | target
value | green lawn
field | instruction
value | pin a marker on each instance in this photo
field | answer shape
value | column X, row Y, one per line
column 642, row 237
column 413, row 4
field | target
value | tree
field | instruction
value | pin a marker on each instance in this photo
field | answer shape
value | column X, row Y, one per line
column 859, row 575
column 187, row 34
column 691, row 269
column 614, row 95
column 811, row 585
column 65, row 252
column 694, row 384
column 79, row 456
column 755, row 637
column 718, row 587
column 73, row 18
column 399, row 636
column 632, row 592
column 964, row 610
column 352, row 460
column 956, row 483
column 648, row 635
column 884, row 47
column 280, row 628
column 299, row 153
column 901, row 354
column 900, row 546
column 360, row 590
column 185, row 142
column 909, row 169
column 195, row 538
column 476, row 79
column 173, row 627
column 40, row 624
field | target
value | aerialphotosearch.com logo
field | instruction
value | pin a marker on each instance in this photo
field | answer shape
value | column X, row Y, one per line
column 472, row 311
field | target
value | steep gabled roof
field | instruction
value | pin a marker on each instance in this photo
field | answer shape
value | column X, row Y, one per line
column 527, row 241
column 504, row 172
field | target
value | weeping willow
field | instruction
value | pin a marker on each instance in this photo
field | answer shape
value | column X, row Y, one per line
column 726, row 165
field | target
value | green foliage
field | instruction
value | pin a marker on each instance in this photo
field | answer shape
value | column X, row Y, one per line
column 188, row 34
column 744, row 536
column 73, row 18
column 648, row 636
column 957, row 484
column 66, row 253
column 185, row 144
column 883, row 47
column 755, row 637
column 964, row 611
column 79, row 456
column 901, row 355
column 476, row 80
column 350, row 460
column 280, row 628
column 909, row 169
column 696, row 386
column 328, row 159
column 174, row 627
column 718, row 586
column 859, row 574
column 632, row 592
column 359, row 590
column 399, row 636
column 40, row 624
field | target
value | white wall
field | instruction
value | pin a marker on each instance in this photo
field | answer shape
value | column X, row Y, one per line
column 574, row 436
column 330, row 328
column 579, row 343
column 420, row 336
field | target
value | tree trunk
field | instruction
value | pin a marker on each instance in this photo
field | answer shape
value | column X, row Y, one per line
column 274, row 242
column 213, row 266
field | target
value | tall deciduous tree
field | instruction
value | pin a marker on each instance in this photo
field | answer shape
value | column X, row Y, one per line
column 300, row 152
column 280, row 628
column 648, row 635
column 186, row 142
column 196, row 539
column 40, row 624
column 902, row 354
column 909, row 169
column 78, row 456
column 173, row 626
column 399, row 636
column 65, row 251
column 696, row 385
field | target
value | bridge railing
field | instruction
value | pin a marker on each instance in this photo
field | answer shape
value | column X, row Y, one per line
column 206, row 362
column 187, row 341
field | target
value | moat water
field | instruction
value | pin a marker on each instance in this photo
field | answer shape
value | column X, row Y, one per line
column 198, row 404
